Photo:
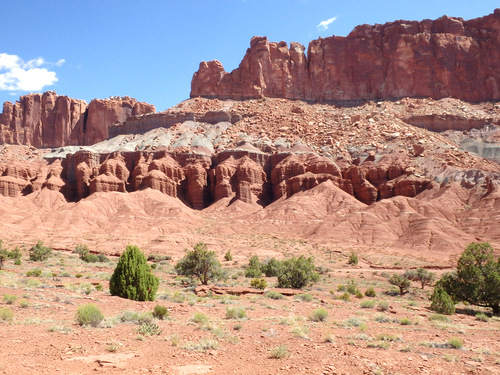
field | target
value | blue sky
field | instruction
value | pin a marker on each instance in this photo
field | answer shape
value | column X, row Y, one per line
column 149, row 49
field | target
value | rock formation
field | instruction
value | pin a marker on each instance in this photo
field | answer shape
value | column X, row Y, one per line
column 448, row 57
column 51, row 120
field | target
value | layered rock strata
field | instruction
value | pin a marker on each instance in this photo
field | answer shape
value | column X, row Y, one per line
column 447, row 57
column 51, row 120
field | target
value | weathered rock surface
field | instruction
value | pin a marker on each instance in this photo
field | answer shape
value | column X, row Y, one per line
column 51, row 120
column 448, row 57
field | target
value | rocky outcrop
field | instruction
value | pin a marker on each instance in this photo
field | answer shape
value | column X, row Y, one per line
column 448, row 57
column 51, row 120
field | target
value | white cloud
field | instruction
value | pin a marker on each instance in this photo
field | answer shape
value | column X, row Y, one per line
column 18, row 75
column 323, row 25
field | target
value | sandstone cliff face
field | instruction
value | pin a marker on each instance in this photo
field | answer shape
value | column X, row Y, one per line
column 51, row 120
column 448, row 57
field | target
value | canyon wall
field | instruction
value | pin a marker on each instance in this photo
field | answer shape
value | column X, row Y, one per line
column 51, row 120
column 447, row 57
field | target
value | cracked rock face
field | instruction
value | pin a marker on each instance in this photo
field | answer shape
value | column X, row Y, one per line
column 447, row 57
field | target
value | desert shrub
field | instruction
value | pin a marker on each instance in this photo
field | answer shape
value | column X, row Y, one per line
column 89, row 314
column 90, row 258
column 6, row 314
column 157, row 258
column 78, row 275
column 24, row 303
column 367, row 304
column 345, row 297
column 383, row 306
column 477, row 278
column 352, row 287
column 405, row 322
column 81, row 250
column 135, row 317
column 272, row 267
column 199, row 318
column 36, row 272
column 482, row 317
column 132, row 277
column 235, row 313
column 254, row 268
column 200, row 263
column 160, row 312
column 6, row 254
column 305, row 297
column 401, row 282
column 442, row 302
column 9, row 299
column 39, row 252
column 439, row 318
column 370, row 292
column 280, row 351
column 297, row 273
column 274, row 295
column 149, row 329
column 420, row 275
column 456, row 343
column 259, row 284
column 319, row 315
column 353, row 259
column 228, row 256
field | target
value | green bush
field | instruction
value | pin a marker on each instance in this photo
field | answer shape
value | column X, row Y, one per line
column 352, row 287
column 278, row 352
column 36, row 272
column 200, row 263
column 345, row 297
column 383, row 306
column 132, row 278
column 6, row 314
column 482, row 317
column 89, row 314
column 370, row 292
column 477, row 278
column 272, row 267
column 160, row 312
column 6, row 254
column 319, row 315
column 199, row 318
column 157, row 258
column 442, row 302
column 297, row 273
column 274, row 295
column 9, row 299
column 456, row 343
column 254, row 268
column 305, row 297
column 235, row 313
column 259, row 284
column 228, row 256
column 90, row 258
column 369, row 304
column 39, row 252
column 353, row 259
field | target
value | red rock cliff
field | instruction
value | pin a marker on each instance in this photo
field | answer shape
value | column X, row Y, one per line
column 51, row 120
column 448, row 57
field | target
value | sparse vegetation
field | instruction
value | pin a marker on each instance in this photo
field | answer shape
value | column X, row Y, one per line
column 235, row 313
column 132, row 278
column 274, row 295
column 228, row 256
column 9, row 299
column 6, row 314
column 456, row 343
column 149, row 329
column 370, row 292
